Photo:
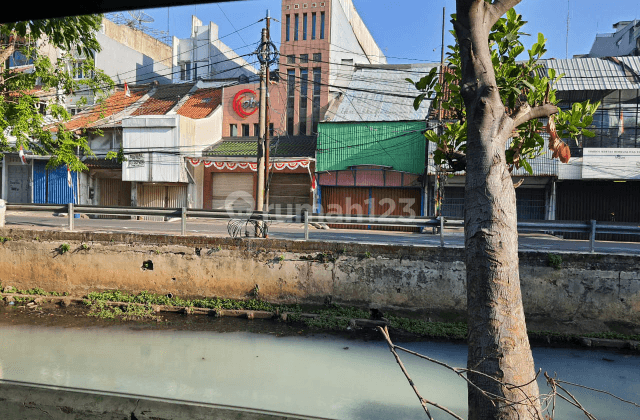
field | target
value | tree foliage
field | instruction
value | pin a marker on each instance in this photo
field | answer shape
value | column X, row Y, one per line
column 32, row 97
column 522, row 86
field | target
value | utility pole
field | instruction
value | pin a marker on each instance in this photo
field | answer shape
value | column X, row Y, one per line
column 439, row 190
column 267, row 142
column 267, row 55
column 262, row 115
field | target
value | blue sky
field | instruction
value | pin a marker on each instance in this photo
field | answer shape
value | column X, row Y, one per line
column 410, row 30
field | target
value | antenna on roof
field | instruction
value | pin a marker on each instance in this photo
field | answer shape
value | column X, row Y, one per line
column 138, row 16
column 135, row 19
column 568, row 16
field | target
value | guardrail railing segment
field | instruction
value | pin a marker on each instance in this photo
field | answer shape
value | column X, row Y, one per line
column 545, row 226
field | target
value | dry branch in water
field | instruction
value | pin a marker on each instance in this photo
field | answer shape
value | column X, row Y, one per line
column 549, row 399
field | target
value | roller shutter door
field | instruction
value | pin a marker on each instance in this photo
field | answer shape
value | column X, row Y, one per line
column 163, row 196
column 232, row 191
column 114, row 192
column 374, row 201
column 289, row 192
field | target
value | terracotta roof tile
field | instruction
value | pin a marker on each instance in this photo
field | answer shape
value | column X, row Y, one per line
column 202, row 103
column 163, row 99
column 446, row 114
column 112, row 105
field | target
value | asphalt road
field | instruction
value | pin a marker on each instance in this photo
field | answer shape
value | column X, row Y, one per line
column 218, row 228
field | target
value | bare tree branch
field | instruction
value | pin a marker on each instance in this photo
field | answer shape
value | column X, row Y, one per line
column 526, row 113
column 597, row 390
column 424, row 402
column 500, row 7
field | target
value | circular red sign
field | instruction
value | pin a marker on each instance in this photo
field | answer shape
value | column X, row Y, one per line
column 244, row 103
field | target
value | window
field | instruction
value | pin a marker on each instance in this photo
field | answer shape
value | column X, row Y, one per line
column 321, row 25
column 297, row 24
column 185, row 70
column 315, row 113
column 81, row 72
column 78, row 70
column 631, row 35
column 256, row 130
column 317, row 57
column 304, row 58
column 291, row 59
column 271, row 131
column 304, row 26
column 233, row 130
column 18, row 59
column 291, row 87
column 304, row 77
column 288, row 26
column 313, row 25
column 245, row 130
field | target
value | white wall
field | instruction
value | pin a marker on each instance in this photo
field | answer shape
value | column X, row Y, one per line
column 213, row 58
column 161, row 133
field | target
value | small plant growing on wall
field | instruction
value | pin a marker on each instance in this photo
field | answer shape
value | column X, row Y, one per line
column 367, row 254
column 554, row 260
column 64, row 248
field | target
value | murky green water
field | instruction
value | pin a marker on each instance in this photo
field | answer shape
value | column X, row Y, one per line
column 277, row 369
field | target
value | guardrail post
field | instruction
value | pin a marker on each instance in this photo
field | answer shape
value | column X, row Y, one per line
column 3, row 212
column 183, row 221
column 70, row 214
column 593, row 236
column 441, row 231
column 306, row 225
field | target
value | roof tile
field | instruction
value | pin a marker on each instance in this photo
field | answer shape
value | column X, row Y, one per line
column 163, row 99
column 112, row 105
column 201, row 104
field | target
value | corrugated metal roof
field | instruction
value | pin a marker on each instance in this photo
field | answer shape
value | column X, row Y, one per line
column 381, row 93
column 294, row 146
column 607, row 73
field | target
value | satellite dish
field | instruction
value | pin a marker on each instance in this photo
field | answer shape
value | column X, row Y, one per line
column 139, row 16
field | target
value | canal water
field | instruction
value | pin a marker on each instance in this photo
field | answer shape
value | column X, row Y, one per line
column 310, row 374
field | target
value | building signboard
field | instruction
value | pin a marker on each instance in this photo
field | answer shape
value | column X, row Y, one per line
column 611, row 163
column 135, row 160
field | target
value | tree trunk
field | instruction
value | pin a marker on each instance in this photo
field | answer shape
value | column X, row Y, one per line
column 498, row 341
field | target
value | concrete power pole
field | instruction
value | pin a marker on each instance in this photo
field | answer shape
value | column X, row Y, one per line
column 267, row 55
column 262, row 118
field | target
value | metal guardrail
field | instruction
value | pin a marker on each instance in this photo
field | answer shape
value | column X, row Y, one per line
column 545, row 226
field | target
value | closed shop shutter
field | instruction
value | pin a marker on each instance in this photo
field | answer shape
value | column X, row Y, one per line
column 603, row 201
column 289, row 192
column 453, row 203
column 530, row 203
column 163, row 196
column 376, row 201
column 232, row 191
column 19, row 189
column 52, row 186
column 114, row 192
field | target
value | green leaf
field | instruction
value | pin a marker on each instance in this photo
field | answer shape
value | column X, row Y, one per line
column 527, row 166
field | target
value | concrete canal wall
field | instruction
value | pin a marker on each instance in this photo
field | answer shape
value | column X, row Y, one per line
column 586, row 292
column 36, row 402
